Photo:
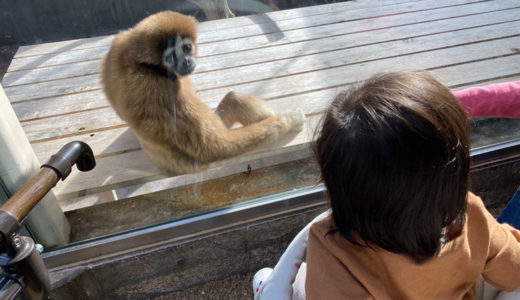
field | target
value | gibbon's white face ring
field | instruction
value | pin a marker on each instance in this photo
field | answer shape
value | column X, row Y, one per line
column 169, row 58
column 178, row 58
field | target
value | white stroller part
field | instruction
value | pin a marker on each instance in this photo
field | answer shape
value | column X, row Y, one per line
column 287, row 279
column 278, row 283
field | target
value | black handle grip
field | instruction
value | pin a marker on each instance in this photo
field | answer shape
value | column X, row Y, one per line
column 72, row 153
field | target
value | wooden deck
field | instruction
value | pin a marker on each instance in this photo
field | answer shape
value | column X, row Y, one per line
column 293, row 58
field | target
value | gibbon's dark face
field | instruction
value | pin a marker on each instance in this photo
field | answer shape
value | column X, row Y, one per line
column 178, row 56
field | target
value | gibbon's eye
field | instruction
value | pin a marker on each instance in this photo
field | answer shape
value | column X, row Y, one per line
column 186, row 48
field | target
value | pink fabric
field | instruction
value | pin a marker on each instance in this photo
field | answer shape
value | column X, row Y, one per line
column 497, row 100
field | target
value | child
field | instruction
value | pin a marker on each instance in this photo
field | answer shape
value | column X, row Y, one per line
column 394, row 156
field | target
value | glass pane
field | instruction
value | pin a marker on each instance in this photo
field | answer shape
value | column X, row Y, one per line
column 3, row 194
column 489, row 131
column 291, row 54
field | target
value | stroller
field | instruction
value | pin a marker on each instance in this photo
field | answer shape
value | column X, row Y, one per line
column 287, row 279
column 24, row 275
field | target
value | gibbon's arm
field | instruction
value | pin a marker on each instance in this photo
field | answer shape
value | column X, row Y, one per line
column 498, row 100
column 212, row 143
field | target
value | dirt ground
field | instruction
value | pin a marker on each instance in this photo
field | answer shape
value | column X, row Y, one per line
column 235, row 287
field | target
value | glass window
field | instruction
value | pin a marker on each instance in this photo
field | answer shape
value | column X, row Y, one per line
column 291, row 54
column 3, row 194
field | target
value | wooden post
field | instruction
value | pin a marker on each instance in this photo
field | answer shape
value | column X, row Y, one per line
column 18, row 164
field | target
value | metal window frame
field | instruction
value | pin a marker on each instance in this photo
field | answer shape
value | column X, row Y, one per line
column 170, row 232
column 261, row 208
column 492, row 154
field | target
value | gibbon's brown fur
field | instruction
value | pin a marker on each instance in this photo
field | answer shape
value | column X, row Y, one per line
column 144, row 78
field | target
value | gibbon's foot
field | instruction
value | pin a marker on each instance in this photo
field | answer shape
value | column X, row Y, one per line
column 295, row 119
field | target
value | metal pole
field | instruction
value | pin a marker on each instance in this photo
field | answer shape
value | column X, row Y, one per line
column 18, row 164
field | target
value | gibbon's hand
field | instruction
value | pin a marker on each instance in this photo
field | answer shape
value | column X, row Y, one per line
column 294, row 119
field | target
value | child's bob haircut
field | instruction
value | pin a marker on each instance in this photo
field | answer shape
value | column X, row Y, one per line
column 394, row 156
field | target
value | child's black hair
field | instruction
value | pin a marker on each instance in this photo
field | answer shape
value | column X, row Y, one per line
column 394, row 156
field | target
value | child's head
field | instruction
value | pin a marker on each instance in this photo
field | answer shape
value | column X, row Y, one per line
column 394, row 156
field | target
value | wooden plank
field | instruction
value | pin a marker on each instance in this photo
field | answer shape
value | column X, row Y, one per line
column 53, row 88
column 135, row 167
column 70, row 202
column 76, row 102
column 353, row 55
column 51, row 73
column 480, row 72
column 299, row 83
column 302, row 12
column 73, row 203
column 56, row 59
column 132, row 166
column 103, row 143
column 388, row 18
column 317, row 101
column 63, row 46
column 71, row 125
column 60, row 105
column 304, row 82
column 310, row 79
column 333, row 17
column 135, row 161
column 76, row 84
column 208, row 26
column 115, row 141
column 212, row 63
column 349, row 40
column 331, row 24
column 482, row 82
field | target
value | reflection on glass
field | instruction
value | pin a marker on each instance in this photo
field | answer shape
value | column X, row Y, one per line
column 489, row 131
column 287, row 55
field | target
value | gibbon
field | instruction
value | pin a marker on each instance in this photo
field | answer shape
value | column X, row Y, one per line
column 144, row 77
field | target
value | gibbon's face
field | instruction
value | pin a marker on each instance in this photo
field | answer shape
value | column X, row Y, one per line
column 178, row 56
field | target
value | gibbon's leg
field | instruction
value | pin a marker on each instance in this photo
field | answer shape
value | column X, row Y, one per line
column 212, row 144
column 244, row 109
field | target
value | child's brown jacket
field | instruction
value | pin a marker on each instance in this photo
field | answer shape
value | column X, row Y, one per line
column 338, row 269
